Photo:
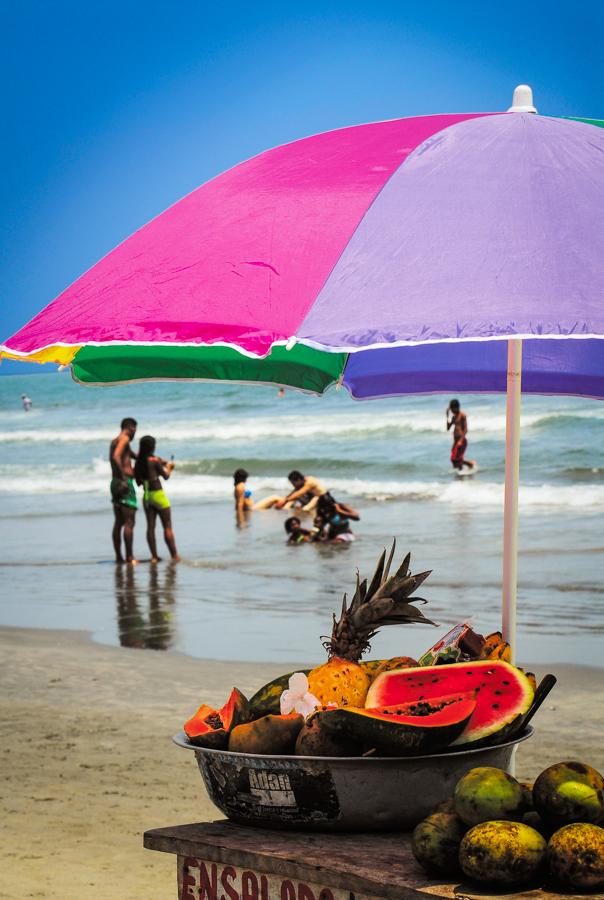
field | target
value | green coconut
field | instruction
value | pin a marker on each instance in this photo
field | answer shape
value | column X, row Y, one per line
column 575, row 855
column 435, row 843
column 502, row 853
column 569, row 792
column 487, row 793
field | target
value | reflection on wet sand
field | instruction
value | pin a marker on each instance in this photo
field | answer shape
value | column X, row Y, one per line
column 137, row 590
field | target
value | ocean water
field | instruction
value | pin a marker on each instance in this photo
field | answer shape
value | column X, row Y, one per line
column 242, row 593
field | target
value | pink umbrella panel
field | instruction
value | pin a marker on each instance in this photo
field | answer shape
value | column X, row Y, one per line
column 391, row 257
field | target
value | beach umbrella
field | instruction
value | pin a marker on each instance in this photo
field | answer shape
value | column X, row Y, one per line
column 441, row 253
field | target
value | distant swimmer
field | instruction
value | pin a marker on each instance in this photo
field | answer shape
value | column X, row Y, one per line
column 457, row 419
column 281, row 392
column 27, row 402
column 305, row 494
column 148, row 470
column 123, row 495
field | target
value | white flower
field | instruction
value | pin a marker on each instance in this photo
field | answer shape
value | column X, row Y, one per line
column 297, row 698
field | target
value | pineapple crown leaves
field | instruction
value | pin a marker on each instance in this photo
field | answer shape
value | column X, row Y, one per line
column 386, row 600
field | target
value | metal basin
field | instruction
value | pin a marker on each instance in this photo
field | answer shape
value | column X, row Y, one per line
column 337, row 793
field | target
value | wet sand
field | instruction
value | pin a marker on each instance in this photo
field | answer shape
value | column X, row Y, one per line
column 88, row 764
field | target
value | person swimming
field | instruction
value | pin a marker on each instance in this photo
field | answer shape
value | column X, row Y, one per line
column 148, row 470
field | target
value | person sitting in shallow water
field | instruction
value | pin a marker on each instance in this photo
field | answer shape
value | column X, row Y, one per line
column 148, row 470
column 244, row 502
column 306, row 492
column 333, row 520
column 297, row 534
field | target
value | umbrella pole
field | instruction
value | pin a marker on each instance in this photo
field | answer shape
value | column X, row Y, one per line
column 512, row 477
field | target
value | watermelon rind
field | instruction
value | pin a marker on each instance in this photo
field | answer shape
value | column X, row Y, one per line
column 403, row 728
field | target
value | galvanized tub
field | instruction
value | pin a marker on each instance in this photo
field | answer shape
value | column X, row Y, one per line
column 337, row 793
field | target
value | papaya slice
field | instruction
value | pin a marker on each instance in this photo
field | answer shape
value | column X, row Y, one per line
column 211, row 728
column 419, row 726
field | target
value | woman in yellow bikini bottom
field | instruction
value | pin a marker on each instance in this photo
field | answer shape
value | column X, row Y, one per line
column 157, row 499
column 148, row 470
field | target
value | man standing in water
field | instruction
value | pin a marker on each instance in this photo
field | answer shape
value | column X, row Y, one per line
column 123, row 495
column 457, row 419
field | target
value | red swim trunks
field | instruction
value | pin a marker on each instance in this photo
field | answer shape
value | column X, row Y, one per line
column 458, row 452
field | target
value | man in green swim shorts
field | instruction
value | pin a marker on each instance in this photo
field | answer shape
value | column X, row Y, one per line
column 123, row 495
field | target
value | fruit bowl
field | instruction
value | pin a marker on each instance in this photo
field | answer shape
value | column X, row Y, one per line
column 337, row 793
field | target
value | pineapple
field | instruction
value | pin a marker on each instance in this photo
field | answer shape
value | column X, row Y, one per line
column 339, row 681
column 385, row 601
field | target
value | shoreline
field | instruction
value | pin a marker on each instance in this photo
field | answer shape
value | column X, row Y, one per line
column 84, row 636
column 89, row 762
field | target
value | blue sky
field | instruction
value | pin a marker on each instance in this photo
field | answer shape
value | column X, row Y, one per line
column 112, row 111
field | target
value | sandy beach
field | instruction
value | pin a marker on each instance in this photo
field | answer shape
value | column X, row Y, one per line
column 88, row 762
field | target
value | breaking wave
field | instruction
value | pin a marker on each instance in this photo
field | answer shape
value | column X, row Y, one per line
column 474, row 494
column 338, row 425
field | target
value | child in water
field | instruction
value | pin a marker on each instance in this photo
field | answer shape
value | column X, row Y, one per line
column 297, row 534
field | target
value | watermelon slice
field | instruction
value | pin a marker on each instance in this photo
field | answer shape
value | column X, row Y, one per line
column 502, row 692
column 422, row 726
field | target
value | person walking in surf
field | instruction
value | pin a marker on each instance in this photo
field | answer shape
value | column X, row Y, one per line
column 123, row 495
column 457, row 419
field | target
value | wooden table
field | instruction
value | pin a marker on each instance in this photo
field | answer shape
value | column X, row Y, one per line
column 224, row 861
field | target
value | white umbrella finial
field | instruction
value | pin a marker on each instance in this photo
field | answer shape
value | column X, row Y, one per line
column 522, row 101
